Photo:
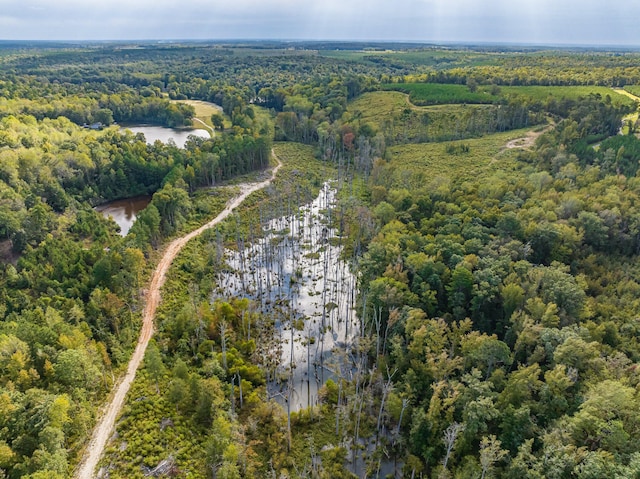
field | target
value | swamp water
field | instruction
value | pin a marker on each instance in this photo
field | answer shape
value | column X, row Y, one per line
column 295, row 275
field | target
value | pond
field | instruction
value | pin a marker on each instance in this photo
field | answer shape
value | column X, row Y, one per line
column 296, row 276
column 153, row 133
column 124, row 211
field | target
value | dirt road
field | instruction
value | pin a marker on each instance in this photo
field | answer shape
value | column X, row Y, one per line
column 529, row 140
column 624, row 92
column 633, row 116
column 106, row 422
column 524, row 142
column 203, row 124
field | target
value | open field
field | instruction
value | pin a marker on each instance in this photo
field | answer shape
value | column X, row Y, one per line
column 427, row 164
column 633, row 118
column 204, row 110
column 634, row 90
column 441, row 93
column 631, row 92
column 542, row 93
column 437, row 93
column 380, row 106
column 374, row 106
column 392, row 114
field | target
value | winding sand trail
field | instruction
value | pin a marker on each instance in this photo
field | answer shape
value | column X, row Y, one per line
column 624, row 92
column 103, row 430
column 524, row 142
column 529, row 140
column 203, row 124
column 633, row 116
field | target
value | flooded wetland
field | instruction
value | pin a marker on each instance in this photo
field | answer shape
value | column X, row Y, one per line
column 297, row 277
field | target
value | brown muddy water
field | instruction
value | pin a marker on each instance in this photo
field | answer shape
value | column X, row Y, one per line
column 124, row 211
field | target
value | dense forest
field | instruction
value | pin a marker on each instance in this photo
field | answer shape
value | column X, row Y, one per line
column 487, row 204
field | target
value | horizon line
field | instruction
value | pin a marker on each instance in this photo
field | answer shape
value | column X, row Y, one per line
column 460, row 43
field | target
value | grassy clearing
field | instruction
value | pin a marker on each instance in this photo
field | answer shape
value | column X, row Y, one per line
column 435, row 93
column 420, row 165
column 392, row 114
column 373, row 107
column 633, row 89
column 297, row 183
column 632, row 118
column 543, row 93
column 378, row 105
column 204, row 110
column 444, row 58
column 142, row 441
column 301, row 169
column 439, row 93
column 631, row 92
column 207, row 204
column 263, row 119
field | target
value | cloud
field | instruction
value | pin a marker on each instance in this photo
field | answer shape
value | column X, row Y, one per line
column 541, row 21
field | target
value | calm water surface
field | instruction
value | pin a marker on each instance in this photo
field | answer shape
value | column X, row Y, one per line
column 124, row 211
column 296, row 273
column 153, row 133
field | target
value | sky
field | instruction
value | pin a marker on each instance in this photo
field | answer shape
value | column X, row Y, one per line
column 561, row 22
